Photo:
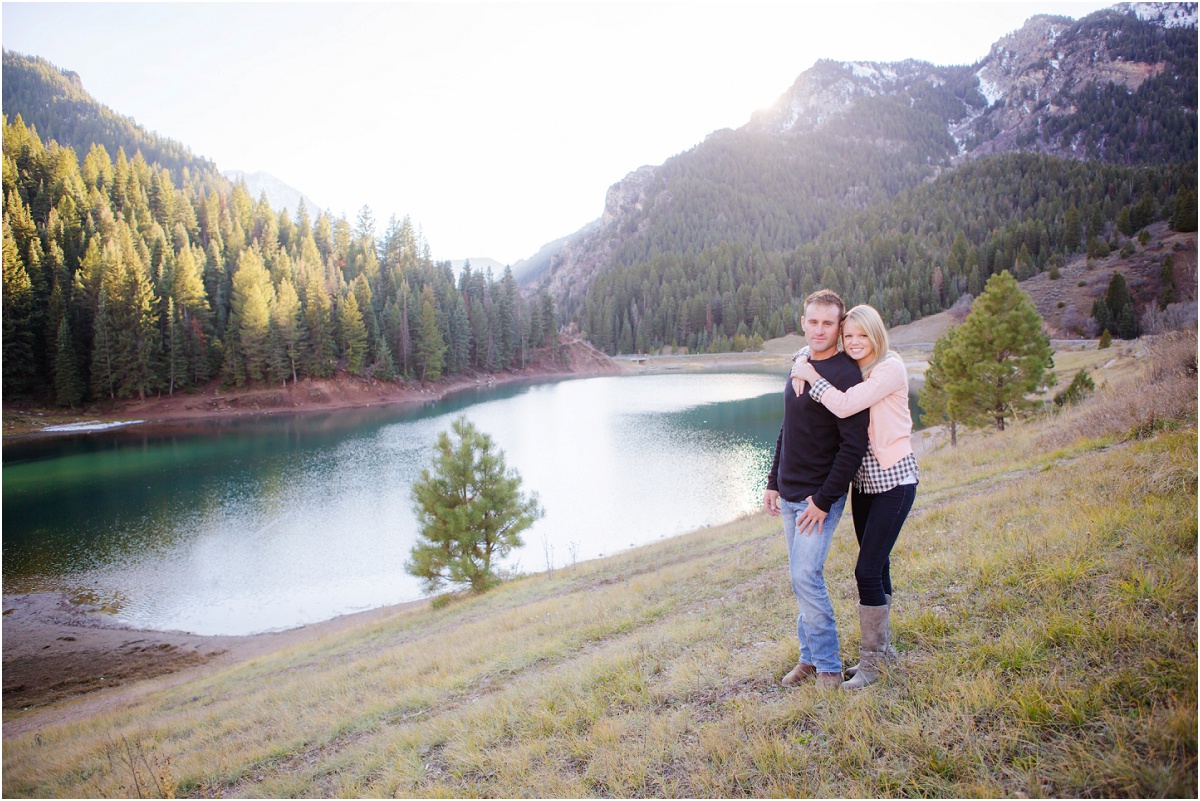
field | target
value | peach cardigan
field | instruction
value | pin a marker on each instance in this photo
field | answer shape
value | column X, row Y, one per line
column 885, row 393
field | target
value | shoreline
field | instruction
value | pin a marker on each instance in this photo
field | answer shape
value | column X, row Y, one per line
column 57, row 649
column 309, row 395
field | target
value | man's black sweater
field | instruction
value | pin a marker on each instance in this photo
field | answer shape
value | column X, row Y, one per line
column 817, row 453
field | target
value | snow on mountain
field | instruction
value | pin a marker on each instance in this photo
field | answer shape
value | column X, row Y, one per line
column 1169, row 15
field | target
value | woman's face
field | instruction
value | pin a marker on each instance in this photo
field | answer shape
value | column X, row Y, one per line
column 856, row 343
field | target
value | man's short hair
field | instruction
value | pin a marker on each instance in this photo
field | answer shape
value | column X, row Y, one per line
column 826, row 297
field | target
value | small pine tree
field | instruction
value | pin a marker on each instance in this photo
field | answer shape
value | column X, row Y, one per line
column 471, row 511
column 1081, row 386
column 1105, row 339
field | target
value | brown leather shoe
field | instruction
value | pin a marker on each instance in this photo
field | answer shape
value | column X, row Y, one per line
column 798, row 674
column 829, row 681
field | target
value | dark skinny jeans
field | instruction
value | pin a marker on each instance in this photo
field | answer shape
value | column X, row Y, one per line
column 877, row 522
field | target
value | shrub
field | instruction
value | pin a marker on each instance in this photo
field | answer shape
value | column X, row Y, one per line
column 1081, row 386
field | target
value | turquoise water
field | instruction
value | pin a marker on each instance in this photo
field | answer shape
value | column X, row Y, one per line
column 236, row 527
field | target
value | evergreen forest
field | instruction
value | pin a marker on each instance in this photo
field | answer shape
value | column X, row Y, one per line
column 122, row 279
column 911, row 256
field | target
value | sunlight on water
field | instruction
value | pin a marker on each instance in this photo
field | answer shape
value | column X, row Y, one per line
column 269, row 527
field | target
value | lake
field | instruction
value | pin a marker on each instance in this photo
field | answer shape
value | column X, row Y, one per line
column 251, row 525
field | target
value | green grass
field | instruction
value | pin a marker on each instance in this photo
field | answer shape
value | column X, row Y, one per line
column 1045, row 610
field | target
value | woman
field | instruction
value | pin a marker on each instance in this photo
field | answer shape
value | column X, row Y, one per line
column 886, row 483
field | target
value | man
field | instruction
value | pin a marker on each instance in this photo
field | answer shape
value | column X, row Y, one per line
column 816, row 456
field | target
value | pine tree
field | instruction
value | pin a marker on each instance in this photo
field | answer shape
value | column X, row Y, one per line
column 506, row 307
column 1117, row 296
column 68, row 385
column 1005, row 352
column 550, row 335
column 385, row 366
column 470, row 509
column 137, row 335
column 945, row 369
column 287, row 333
column 459, row 346
column 1081, row 386
column 176, row 348
column 352, row 334
column 19, row 368
column 1184, row 218
column 1104, row 320
column 1071, row 230
column 430, row 348
column 318, row 322
column 104, row 349
column 252, row 299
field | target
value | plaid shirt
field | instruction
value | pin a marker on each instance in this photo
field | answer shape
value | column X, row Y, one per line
column 872, row 479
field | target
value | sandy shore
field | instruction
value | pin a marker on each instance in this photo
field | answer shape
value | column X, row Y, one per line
column 57, row 648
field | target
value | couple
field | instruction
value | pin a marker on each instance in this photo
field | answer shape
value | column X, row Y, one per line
column 845, row 419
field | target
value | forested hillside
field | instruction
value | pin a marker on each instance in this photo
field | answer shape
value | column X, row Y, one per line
column 909, row 257
column 54, row 102
column 120, row 281
column 903, row 185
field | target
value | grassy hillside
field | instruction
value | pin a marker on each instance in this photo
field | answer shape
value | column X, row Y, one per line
column 1045, row 610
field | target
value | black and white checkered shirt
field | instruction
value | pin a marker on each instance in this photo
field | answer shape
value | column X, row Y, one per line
column 872, row 479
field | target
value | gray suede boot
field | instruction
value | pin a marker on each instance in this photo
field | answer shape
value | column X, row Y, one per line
column 892, row 654
column 873, row 622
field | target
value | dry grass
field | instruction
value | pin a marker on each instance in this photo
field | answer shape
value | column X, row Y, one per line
column 1045, row 610
column 1156, row 390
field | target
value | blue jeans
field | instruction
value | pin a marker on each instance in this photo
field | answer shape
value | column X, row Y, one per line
column 815, row 626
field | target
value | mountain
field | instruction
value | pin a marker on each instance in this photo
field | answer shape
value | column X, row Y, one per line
column 1117, row 87
column 54, row 102
column 531, row 270
column 280, row 196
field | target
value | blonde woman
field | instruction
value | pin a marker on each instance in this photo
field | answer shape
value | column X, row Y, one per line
column 886, row 483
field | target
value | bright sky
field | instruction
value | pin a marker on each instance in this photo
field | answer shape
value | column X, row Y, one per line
column 497, row 126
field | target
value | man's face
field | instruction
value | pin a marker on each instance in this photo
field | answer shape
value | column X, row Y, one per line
column 821, row 324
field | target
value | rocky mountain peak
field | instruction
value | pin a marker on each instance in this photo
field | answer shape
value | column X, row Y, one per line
column 1169, row 15
column 830, row 88
column 628, row 195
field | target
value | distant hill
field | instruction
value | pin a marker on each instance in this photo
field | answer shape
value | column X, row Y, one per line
column 533, row 269
column 279, row 195
column 54, row 102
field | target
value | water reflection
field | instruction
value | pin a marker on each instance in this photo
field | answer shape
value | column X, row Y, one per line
column 255, row 525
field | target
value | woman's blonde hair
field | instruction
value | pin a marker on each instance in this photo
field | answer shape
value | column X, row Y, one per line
column 866, row 318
